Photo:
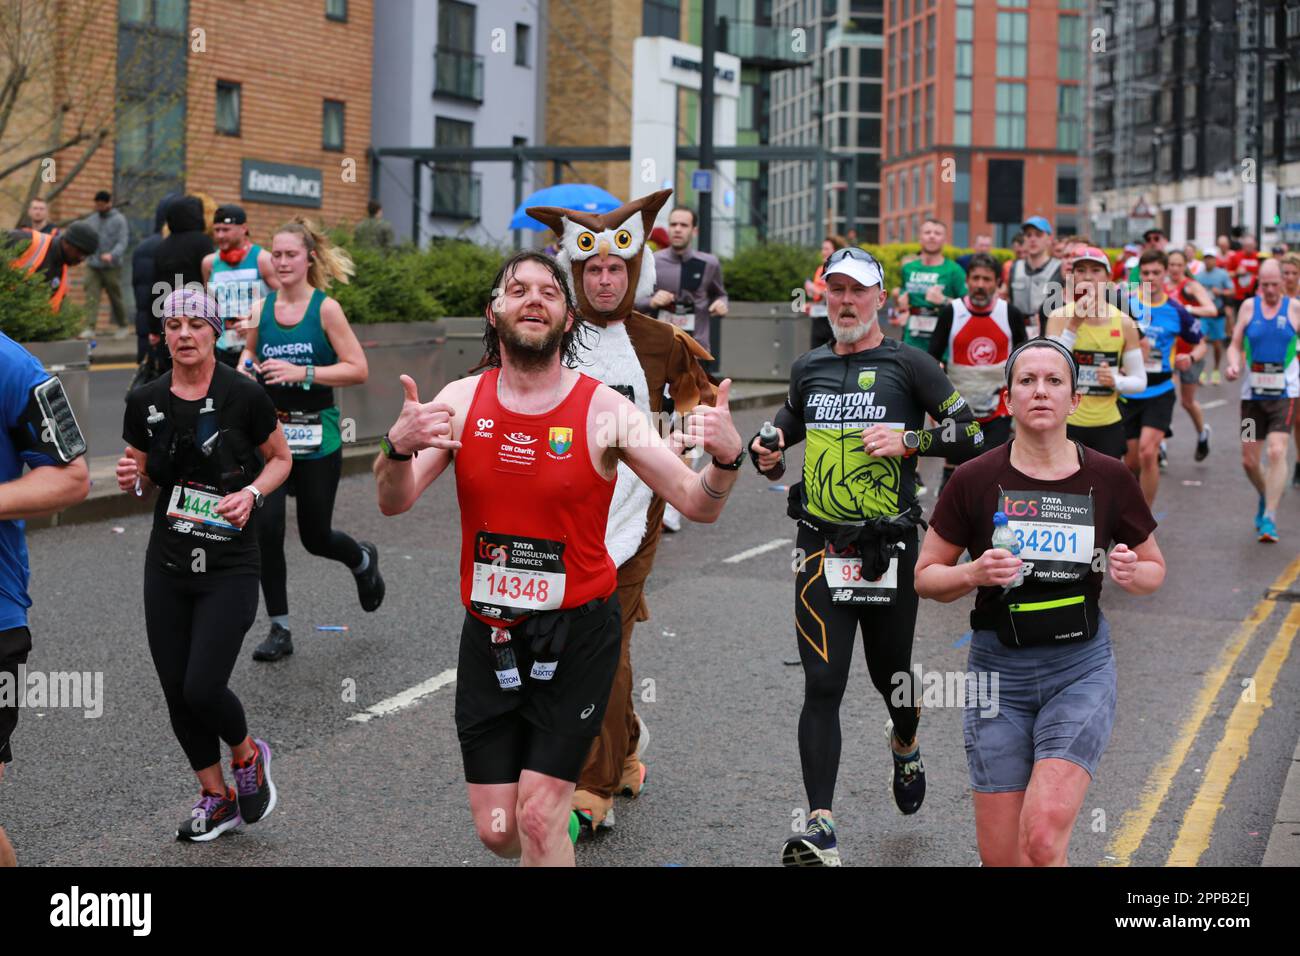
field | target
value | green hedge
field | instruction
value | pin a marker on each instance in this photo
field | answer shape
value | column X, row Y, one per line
column 406, row 284
column 25, row 313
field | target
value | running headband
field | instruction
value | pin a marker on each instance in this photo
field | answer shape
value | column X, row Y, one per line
column 192, row 303
column 1044, row 343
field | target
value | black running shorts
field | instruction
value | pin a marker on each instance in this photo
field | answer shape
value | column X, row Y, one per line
column 546, row 726
column 1142, row 413
column 15, row 645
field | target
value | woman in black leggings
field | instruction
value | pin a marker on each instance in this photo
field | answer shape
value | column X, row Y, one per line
column 194, row 434
column 302, row 348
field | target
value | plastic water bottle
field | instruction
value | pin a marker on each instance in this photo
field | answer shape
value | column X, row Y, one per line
column 1005, row 538
column 770, row 439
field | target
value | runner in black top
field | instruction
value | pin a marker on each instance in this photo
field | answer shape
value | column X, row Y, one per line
column 860, row 403
column 194, row 434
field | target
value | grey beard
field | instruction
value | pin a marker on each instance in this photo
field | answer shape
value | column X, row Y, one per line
column 849, row 336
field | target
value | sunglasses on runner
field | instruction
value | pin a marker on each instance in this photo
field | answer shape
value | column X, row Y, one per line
column 857, row 264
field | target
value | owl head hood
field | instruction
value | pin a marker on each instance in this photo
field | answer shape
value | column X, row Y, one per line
column 621, row 232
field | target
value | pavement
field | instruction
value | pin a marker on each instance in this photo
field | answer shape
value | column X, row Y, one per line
column 1199, row 769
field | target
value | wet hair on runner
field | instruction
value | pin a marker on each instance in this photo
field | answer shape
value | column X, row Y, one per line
column 327, row 262
column 572, row 339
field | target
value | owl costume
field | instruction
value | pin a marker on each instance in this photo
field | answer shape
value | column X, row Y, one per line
column 643, row 359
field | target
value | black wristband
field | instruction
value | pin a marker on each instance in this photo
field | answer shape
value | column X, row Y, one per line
column 734, row 466
column 386, row 446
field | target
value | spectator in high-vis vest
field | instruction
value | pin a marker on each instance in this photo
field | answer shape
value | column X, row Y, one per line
column 52, row 256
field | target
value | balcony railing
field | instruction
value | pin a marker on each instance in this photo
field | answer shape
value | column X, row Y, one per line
column 457, row 193
column 758, row 44
column 457, row 74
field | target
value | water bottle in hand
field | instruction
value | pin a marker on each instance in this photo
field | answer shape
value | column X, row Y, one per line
column 770, row 439
column 1005, row 538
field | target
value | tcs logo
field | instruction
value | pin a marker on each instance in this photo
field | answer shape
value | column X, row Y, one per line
column 493, row 553
column 1020, row 509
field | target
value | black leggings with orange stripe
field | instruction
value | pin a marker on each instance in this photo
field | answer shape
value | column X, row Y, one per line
column 826, row 633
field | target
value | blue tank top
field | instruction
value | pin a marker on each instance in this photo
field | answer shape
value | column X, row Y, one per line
column 1272, row 371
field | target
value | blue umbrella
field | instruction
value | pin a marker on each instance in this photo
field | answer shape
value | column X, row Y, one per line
column 583, row 196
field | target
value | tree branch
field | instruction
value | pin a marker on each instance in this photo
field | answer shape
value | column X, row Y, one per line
column 49, row 151
column 65, row 180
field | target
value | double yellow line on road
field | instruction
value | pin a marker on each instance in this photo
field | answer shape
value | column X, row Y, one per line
column 1198, row 822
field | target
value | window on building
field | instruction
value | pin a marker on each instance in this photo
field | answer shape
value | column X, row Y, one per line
column 928, row 176
column 1067, row 186
column 1293, row 22
column 1013, row 39
column 1070, row 48
column 904, row 197
column 929, row 46
column 227, row 108
column 1069, row 117
column 868, row 132
column 1167, row 12
column 917, row 52
column 869, row 97
column 929, row 117
column 889, row 192
column 336, row 10
column 166, row 15
column 1009, row 124
column 1190, row 97
column 965, row 26
column 904, row 56
column 661, row 18
column 455, row 187
column 916, row 185
column 1293, row 76
column 332, row 125
column 868, row 62
column 523, row 44
column 964, row 60
column 1146, row 13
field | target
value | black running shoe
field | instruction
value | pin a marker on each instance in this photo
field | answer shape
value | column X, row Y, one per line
column 1162, row 460
column 257, row 795
column 370, row 583
column 212, row 816
column 816, row 846
column 909, row 781
column 1203, row 444
column 278, row 644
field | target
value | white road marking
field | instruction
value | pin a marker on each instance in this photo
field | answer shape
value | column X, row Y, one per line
column 412, row 695
column 754, row 552
column 1214, row 404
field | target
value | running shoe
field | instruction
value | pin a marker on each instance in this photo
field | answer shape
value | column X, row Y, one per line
column 814, row 847
column 212, row 816
column 1203, row 444
column 1259, row 514
column 370, row 583
column 575, row 827
column 921, row 490
column 278, row 644
column 1163, row 460
column 909, row 780
column 1205, row 378
column 587, row 822
column 257, row 796
column 1268, row 530
column 672, row 521
column 1215, row 378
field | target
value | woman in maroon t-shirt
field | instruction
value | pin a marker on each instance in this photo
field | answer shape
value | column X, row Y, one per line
column 1043, row 644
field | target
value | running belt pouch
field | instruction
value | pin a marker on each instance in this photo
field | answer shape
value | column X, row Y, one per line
column 548, row 634
column 1047, row 620
column 875, row 540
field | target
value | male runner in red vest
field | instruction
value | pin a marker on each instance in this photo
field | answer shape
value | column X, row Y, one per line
column 536, row 446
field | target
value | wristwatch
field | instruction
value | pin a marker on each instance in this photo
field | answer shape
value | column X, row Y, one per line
column 310, row 377
column 386, row 446
column 911, row 442
column 734, row 466
column 258, row 498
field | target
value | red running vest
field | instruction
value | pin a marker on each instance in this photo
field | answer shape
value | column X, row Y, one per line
column 533, row 509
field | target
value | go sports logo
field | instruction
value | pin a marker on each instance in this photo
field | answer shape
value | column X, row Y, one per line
column 485, row 426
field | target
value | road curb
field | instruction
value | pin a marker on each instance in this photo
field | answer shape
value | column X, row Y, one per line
column 1284, row 840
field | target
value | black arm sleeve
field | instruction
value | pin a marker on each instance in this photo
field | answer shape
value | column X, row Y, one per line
column 942, row 331
column 1016, row 319
column 958, row 435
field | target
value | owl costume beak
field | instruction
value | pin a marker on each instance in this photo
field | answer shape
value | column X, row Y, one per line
column 640, row 264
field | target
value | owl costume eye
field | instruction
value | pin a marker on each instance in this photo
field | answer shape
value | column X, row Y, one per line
column 587, row 242
column 623, row 239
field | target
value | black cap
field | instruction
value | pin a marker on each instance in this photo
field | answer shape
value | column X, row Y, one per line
column 82, row 235
column 230, row 214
